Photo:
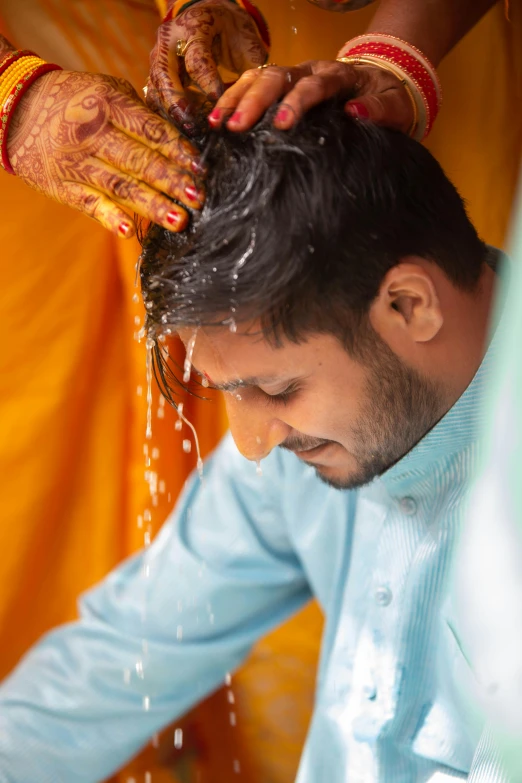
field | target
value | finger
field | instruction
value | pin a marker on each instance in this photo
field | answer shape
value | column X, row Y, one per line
column 309, row 91
column 148, row 166
column 392, row 109
column 165, row 77
column 228, row 102
column 271, row 84
column 202, row 68
column 130, row 193
column 137, row 122
column 99, row 207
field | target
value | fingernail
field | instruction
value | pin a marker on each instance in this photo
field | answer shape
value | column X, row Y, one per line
column 358, row 110
column 175, row 218
column 214, row 116
column 193, row 193
column 198, row 168
column 281, row 115
column 236, row 117
column 124, row 228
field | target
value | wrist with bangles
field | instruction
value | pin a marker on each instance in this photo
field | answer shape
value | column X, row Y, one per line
column 179, row 6
column 18, row 70
column 413, row 69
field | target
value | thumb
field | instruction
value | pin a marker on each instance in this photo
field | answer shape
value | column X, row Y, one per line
column 392, row 109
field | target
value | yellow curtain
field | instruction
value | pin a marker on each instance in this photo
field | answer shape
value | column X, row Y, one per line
column 72, row 413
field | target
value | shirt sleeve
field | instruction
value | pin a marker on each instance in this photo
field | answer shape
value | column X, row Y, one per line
column 159, row 633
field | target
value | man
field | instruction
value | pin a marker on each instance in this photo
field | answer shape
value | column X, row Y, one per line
column 335, row 289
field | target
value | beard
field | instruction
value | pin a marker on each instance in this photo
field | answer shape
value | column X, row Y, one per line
column 401, row 407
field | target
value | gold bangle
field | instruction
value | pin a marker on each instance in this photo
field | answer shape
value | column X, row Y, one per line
column 416, row 129
column 13, row 75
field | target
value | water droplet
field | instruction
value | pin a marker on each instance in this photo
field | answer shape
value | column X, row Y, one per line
column 230, row 697
column 239, row 397
column 137, row 320
column 162, row 487
column 187, row 366
column 135, row 298
column 148, row 777
column 126, row 676
column 155, row 453
column 147, row 516
column 178, row 738
column 311, row 249
column 199, row 466
column 146, row 538
column 237, row 766
column 233, row 326
column 232, row 718
column 187, row 446
column 321, row 141
column 214, row 269
column 146, row 703
column 160, row 413
column 140, row 521
column 139, row 390
column 148, row 431
column 228, row 679
column 155, row 740
column 259, row 469
column 204, row 382
column 178, row 425
column 179, row 632
column 139, row 670
column 294, row 30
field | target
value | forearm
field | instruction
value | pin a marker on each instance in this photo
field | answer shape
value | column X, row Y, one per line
column 5, row 47
column 434, row 26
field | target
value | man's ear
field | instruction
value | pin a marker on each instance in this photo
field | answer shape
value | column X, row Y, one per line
column 407, row 305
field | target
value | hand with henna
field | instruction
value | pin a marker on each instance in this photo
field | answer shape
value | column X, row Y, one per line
column 88, row 141
column 380, row 95
column 217, row 33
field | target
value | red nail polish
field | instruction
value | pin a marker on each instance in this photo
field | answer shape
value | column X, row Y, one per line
column 193, row 193
column 124, row 228
column 281, row 115
column 235, row 117
column 214, row 116
column 174, row 218
column 358, row 110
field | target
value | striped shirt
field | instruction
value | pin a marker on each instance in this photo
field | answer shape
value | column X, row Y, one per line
column 240, row 554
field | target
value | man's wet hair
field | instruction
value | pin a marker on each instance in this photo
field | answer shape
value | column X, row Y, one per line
column 299, row 229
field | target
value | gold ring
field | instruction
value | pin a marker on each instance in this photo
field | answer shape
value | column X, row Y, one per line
column 182, row 45
column 267, row 65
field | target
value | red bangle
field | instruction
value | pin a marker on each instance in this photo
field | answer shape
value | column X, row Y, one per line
column 411, row 65
column 10, row 105
column 12, row 57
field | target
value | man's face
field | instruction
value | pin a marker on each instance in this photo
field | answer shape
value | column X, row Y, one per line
column 349, row 419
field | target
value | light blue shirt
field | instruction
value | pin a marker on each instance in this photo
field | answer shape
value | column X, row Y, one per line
column 239, row 555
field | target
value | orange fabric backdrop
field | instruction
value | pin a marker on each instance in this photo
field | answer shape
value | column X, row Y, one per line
column 72, row 422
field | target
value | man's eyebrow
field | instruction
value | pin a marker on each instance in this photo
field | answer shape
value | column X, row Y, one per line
column 239, row 383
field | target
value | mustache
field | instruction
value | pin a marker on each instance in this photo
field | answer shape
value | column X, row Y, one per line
column 302, row 443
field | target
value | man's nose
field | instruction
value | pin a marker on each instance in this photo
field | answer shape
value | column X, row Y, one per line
column 256, row 431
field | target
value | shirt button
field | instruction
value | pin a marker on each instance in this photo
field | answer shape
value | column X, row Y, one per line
column 383, row 595
column 408, row 506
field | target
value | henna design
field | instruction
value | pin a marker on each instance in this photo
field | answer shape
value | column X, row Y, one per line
column 91, row 129
column 5, row 47
column 227, row 36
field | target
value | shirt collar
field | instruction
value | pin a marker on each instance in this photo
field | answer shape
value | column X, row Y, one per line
column 458, row 429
